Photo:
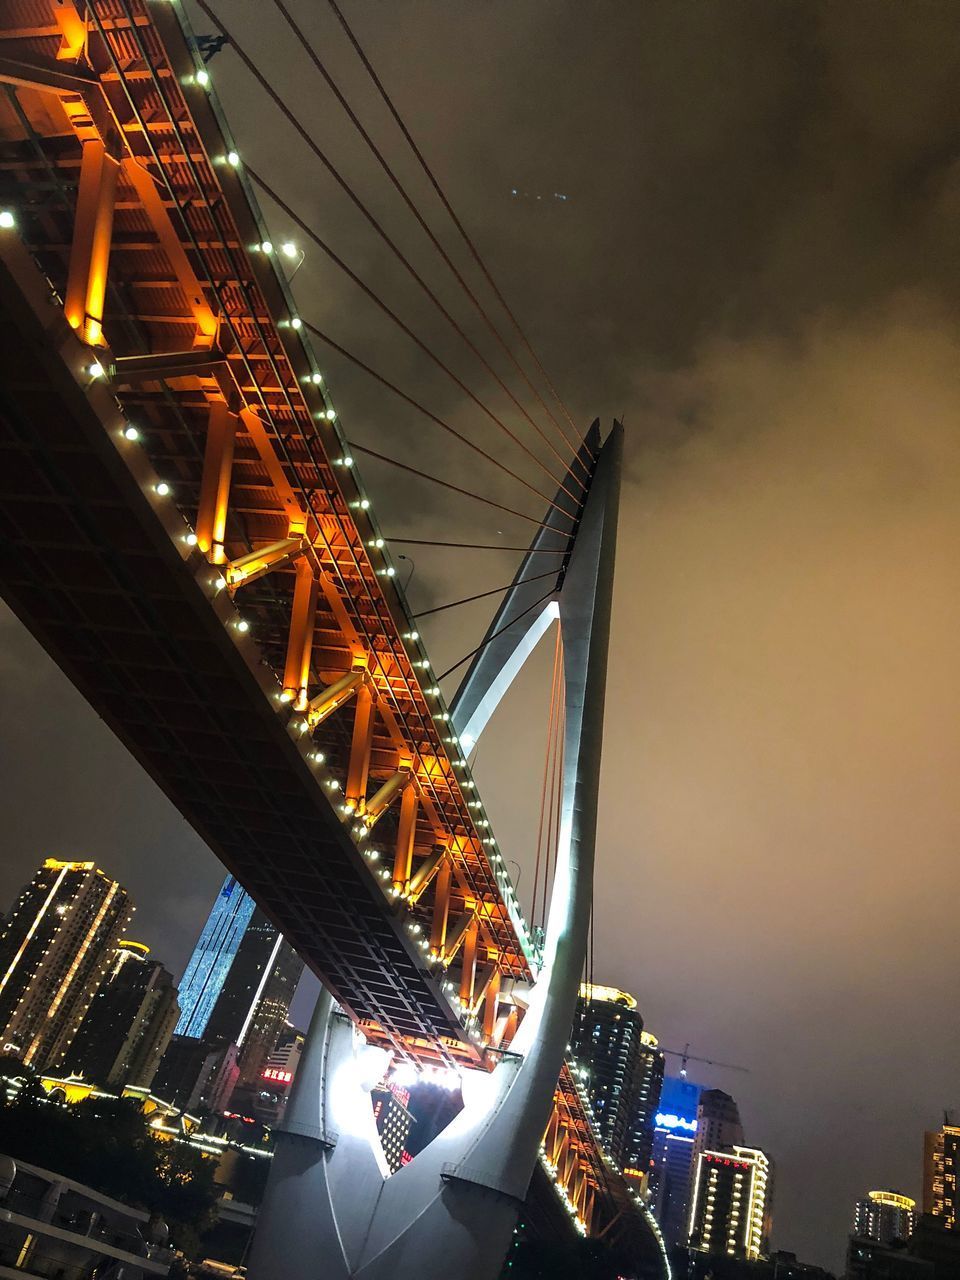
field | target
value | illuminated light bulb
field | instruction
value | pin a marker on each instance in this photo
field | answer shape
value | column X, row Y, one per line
column 316, row 379
column 296, row 322
column 191, row 539
column 220, row 583
column 267, row 247
column 412, row 635
column 434, row 690
column 163, row 488
column 131, row 433
column 364, row 504
column 377, row 542
column 243, row 625
column 331, row 414
column 286, row 695
column 289, row 249
column 203, row 78
column 390, row 571
column 96, row 370
column 233, row 159
column 7, row 219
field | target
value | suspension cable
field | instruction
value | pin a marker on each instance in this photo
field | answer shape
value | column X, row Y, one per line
column 384, row 381
column 445, row 484
column 391, row 244
column 551, row 573
column 456, row 221
column 374, row 297
column 490, row 638
column 334, row 88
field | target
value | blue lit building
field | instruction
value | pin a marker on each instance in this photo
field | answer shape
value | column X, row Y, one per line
column 674, row 1135
column 212, row 958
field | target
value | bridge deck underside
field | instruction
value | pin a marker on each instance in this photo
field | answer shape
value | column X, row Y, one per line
column 102, row 587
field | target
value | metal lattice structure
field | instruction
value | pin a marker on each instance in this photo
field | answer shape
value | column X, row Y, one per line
column 183, row 528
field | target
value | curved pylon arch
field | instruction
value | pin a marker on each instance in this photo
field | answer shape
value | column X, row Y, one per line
column 330, row 1211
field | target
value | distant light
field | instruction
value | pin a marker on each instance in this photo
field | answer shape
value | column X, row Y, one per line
column 296, row 322
column 163, row 488
column 289, row 249
column 233, row 159
column 131, row 433
column 669, row 1120
column 203, row 77
column 7, row 220
column 96, row 370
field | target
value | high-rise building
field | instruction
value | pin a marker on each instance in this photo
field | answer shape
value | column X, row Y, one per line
column 55, row 946
column 236, row 989
column 718, row 1123
column 941, row 1160
column 128, row 1025
column 675, row 1128
column 606, row 1040
column 393, row 1122
column 731, row 1203
column 885, row 1216
column 639, row 1143
column 255, row 998
column 216, row 949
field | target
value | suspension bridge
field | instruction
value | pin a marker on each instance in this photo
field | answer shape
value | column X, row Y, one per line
column 184, row 528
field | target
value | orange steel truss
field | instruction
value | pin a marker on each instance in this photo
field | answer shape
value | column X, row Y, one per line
column 141, row 219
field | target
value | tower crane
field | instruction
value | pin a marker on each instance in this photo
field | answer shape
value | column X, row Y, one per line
column 686, row 1056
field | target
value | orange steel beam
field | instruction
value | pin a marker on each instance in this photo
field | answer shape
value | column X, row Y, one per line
column 406, row 833
column 73, row 29
column 334, row 696
column 491, row 1004
column 92, row 233
column 215, row 483
column 468, row 975
column 381, row 800
column 358, row 770
column 441, row 906
column 256, row 563
column 419, row 882
column 146, row 189
column 296, row 671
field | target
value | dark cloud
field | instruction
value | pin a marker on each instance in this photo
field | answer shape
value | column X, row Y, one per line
column 757, row 264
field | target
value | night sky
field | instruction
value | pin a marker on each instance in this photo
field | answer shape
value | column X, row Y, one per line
column 756, row 264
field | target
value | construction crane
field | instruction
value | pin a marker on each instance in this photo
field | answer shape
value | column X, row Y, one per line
column 686, row 1056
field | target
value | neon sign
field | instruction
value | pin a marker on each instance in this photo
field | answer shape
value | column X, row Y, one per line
column 668, row 1120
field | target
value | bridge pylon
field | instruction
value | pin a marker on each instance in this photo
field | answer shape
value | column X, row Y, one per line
column 331, row 1212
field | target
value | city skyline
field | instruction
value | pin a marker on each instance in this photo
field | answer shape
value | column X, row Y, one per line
column 778, row 835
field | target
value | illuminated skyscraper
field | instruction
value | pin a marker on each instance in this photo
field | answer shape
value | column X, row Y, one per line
column 675, row 1127
column 884, row 1216
column 236, row 989
column 606, row 1039
column 212, row 958
column 941, row 1160
column 731, row 1203
column 393, row 1122
column 55, row 947
column 639, row 1143
column 129, row 1022
column 255, row 999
